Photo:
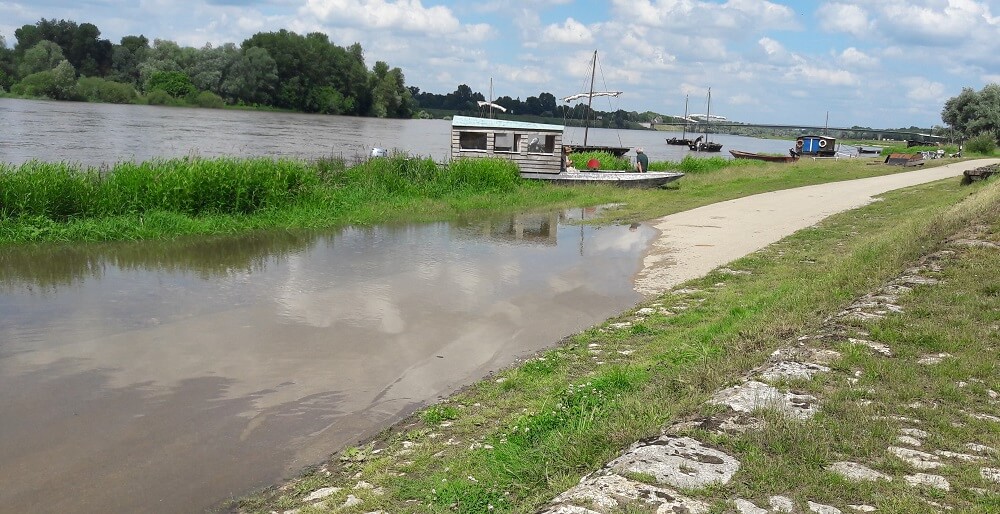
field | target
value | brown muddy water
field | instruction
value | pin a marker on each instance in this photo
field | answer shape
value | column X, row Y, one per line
column 170, row 376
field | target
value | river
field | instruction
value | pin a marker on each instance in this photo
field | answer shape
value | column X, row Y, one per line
column 94, row 134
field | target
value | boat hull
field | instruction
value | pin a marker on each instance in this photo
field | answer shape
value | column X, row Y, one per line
column 618, row 178
column 760, row 157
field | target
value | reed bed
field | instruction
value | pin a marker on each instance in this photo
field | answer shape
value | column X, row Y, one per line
column 194, row 187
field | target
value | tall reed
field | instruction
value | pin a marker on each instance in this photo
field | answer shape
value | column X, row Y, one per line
column 195, row 186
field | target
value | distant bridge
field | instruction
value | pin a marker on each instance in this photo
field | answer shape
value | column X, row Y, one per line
column 878, row 132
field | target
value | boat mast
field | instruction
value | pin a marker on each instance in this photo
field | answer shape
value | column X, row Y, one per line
column 590, row 99
column 684, row 133
column 708, row 115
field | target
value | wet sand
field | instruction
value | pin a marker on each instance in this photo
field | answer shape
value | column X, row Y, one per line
column 694, row 242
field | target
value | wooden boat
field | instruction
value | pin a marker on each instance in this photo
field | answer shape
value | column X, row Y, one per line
column 705, row 146
column 617, row 151
column 683, row 141
column 737, row 154
column 537, row 149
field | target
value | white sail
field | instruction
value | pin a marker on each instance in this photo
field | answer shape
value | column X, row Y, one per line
column 494, row 106
column 591, row 95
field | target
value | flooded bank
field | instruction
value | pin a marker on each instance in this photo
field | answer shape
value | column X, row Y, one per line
column 169, row 376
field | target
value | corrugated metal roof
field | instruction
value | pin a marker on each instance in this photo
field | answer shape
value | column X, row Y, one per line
column 468, row 121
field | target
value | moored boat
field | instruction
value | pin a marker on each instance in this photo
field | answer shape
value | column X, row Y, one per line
column 816, row 146
column 737, row 154
column 704, row 146
column 538, row 151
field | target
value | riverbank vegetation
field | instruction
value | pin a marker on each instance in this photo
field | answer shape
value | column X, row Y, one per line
column 166, row 198
column 63, row 60
column 514, row 441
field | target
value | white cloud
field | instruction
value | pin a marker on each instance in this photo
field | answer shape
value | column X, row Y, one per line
column 922, row 90
column 822, row 76
column 697, row 17
column 854, row 57
column 407, row 15
column 837, row 17
column 525, row 75
column 571, row 31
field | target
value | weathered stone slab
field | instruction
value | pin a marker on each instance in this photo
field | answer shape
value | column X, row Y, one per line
column 781, row 504
column 819, row 508
column 805, row 354
column 991, row 474
column 747, row 507
column 916, row 458
column 609, row 491
column 934, row 358
column 858, row 472
column 677, row 461
column 881, row 348
column 754, row 395
column 319, row 494
column 789, row 370
column 567, row 509
column 959, row 456
column 728, row 422
column 923, row 479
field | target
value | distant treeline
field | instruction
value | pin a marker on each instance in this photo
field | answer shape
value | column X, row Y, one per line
column 66, row 61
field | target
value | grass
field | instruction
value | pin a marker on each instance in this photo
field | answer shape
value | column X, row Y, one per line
column 43, row 202
column 513, row 442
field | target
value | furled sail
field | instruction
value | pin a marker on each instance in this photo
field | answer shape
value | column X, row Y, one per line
column 491, row 105
column 591, row 95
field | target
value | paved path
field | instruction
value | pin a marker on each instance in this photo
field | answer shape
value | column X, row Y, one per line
column 694, row 242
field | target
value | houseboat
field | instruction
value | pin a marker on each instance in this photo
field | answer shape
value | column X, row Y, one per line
column 816, row 146
column 537, row 149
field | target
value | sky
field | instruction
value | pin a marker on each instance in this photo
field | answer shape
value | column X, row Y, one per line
column 875, row 63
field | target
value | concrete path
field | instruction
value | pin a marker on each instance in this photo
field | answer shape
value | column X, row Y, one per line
column 694, row 242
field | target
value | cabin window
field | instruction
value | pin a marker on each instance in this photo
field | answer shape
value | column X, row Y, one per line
column 505, row 142
column 541, row 143
column 472, row 140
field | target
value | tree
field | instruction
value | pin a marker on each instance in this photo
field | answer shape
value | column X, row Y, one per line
column 44, row 56
column 547, row 103
column 175, row 83
column 126, row 57
column 7, row 68
column 211, row 66
column 252, row 79
column 971, row 112
column 80, row 44
column 59, row 83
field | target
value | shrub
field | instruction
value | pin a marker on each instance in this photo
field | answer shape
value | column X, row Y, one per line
column 96, row 89
column 159, row 97
column 209, row 100
column 985, row 143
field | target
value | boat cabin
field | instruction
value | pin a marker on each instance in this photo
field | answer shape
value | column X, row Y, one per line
column 535, row 147
column 821, row 146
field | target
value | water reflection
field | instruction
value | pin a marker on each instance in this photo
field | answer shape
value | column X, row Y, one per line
column 273, row 350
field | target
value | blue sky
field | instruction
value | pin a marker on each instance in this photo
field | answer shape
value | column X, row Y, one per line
column 883, row 63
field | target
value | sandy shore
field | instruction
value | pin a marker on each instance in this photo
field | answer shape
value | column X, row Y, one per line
column 694, row 242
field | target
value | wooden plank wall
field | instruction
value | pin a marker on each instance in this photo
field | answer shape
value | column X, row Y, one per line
column 527, row 163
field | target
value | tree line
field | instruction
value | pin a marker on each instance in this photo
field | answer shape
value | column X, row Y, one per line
column 64, row 60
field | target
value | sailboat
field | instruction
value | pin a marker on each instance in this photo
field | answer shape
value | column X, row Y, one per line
column 684, row 141
column 617, row 151
column 705, row 146
column 490, row 105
